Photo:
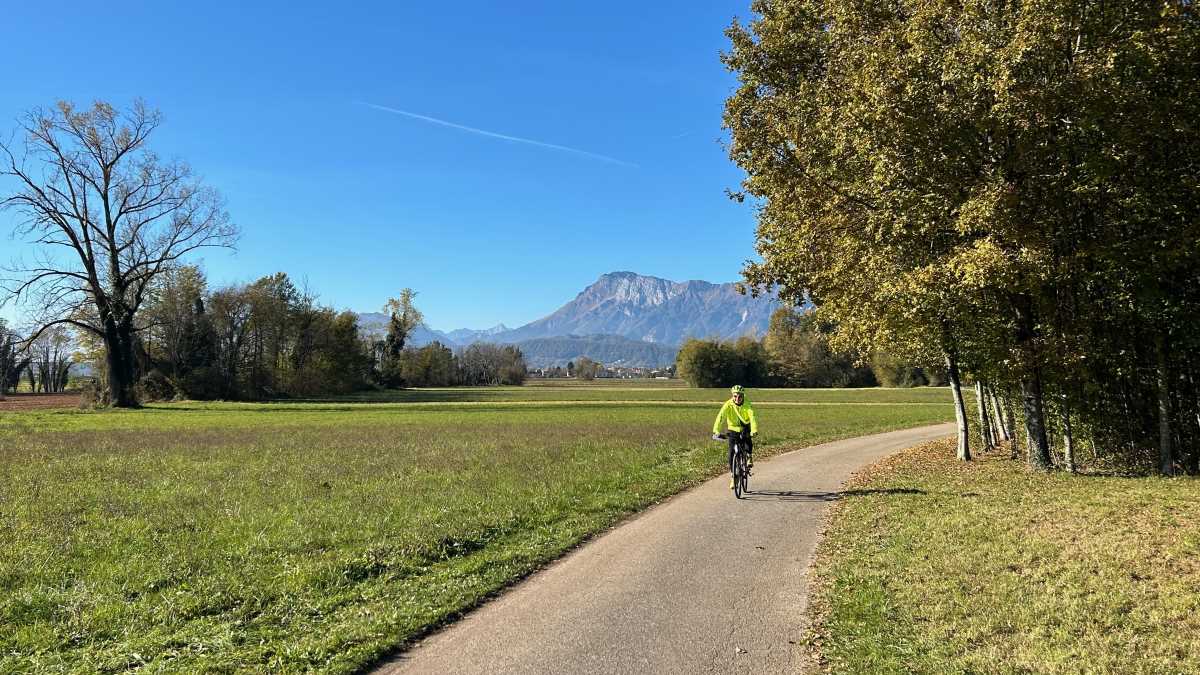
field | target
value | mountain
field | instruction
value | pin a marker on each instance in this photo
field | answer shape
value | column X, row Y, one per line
column 650, row 309
column 465, row 336
column 622, row 319
column 611, row 350
column 375, row 324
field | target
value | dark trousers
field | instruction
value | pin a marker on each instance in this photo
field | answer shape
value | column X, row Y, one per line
column 734, row 437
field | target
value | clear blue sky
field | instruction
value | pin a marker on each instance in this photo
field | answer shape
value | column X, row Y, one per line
column 267, row 104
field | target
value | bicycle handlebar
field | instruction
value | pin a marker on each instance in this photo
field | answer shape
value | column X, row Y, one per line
column 723, row 436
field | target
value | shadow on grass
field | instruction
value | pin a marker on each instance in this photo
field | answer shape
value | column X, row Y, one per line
column 482, row 395
column 794, row 496
column 1114, row 473
column 343, row 407
column 478, row 395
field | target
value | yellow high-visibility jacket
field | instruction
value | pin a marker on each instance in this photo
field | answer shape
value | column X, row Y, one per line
column 736, row 417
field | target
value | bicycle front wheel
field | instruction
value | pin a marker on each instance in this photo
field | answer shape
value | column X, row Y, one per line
column 745, row 475
column 739, row 475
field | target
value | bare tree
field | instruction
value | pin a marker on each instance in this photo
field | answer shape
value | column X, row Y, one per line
column 52, row 360
column 106, row 216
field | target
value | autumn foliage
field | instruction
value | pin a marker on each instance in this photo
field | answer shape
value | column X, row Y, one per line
column 1009, row 188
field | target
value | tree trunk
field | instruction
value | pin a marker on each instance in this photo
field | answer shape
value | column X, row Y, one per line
column 1068, row 441
column 1131, row 442
column 1028, row 438
column 998, row 416
column 1031, row 387
column 6, row 357
column 993, row 424
column 1166, row 454
column 985, row 429
column 64, row 376
column 960, row 411
column 1193, row 463
column 1011, row 421
column 1048, row 423
column 118, row 345
column 1035, row 421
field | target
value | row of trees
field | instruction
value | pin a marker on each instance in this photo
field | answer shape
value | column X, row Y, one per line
column 259, row 340
column 270, row 339
column 45, row 363
column 1005, row 189
column 488, row 364
column 584, row 368
column 589, row 369
column 796, row 352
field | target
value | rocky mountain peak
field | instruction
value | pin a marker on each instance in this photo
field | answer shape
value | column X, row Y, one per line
column 653, row 309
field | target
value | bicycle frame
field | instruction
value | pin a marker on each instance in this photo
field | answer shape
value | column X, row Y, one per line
column 738, row 468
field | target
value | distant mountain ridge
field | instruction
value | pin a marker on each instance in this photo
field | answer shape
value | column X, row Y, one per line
column 639, row 310
column 465, row 336
column 651, row 309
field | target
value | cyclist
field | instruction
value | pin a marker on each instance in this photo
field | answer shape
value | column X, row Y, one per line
column 741, row 423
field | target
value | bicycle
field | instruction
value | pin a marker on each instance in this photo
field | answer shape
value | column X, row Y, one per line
column 738, row 461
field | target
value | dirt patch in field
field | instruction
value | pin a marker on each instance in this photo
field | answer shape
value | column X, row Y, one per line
column 19, row 402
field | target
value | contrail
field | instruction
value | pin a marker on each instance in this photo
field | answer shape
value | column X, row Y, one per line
column 492, row 134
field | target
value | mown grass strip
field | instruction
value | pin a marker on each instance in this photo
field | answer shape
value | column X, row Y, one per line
column 937, row 566
column 616, row 390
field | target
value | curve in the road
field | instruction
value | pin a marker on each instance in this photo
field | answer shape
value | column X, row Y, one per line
column 702, row 583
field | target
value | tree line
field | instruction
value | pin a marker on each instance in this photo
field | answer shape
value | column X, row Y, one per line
column 271, row 339
column 1007, row 190
column 795, row 352
column 45, row 363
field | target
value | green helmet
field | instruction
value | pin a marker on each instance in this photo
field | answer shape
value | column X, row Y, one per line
column 737, row 389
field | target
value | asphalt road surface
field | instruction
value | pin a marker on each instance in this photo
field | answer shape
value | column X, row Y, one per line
column 701, row 583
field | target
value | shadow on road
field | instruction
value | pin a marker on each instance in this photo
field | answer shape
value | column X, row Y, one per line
column 794, row 496
column 789, row 496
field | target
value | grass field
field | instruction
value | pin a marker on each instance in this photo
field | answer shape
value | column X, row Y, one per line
column 667, row 392
column 947, row 567
column 317, row 536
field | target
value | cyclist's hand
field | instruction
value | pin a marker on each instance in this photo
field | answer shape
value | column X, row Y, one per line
column 753, row 434
column 717, row 437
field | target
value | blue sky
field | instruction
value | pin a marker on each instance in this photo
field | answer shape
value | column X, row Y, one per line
column 284, row 107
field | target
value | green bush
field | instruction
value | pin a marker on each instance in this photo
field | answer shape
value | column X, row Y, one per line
column 711, row 363
column 155, row 386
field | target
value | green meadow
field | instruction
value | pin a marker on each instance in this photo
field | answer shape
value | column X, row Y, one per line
column 322, row 535
column 941, row 566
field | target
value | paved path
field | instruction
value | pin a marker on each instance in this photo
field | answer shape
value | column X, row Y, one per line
column 699, row 584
